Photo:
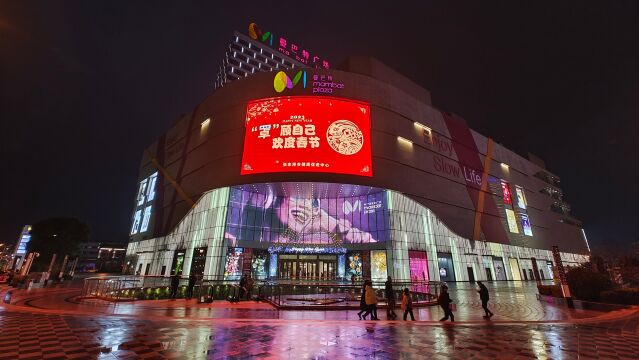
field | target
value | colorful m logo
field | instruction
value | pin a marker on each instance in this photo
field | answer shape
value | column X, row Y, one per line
column 256, row 33
column 282, row 81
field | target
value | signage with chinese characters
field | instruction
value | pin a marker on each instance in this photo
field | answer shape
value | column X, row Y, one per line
column 322, row 84
column 506, row 190
column 307, row 134
column 286, row 47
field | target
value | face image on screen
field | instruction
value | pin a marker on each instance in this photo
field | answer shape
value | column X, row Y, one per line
column 288, row 219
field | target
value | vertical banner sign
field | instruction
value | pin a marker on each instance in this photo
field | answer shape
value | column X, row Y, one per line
column 561, row 272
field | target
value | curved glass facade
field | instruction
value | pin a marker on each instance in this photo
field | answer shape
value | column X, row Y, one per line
column 313, row 231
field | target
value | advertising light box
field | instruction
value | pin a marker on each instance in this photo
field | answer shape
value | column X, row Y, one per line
column 307, row 134
column 259, row 218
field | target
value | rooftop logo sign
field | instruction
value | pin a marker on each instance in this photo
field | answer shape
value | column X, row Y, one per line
column 286, row 47
column 281, row 81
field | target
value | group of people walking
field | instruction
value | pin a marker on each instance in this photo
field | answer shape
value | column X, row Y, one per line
column 368, row 302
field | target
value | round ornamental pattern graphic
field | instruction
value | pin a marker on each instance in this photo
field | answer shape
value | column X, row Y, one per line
column 345, row 137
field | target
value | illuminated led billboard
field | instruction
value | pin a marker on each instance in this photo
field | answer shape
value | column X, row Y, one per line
column 525, row 224
column 143, row 201
column 521, row 197
column 512, row 221
column 307, row 134
column 506, row 191
column 258, row 217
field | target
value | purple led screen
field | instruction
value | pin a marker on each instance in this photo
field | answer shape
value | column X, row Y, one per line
column 261, row 217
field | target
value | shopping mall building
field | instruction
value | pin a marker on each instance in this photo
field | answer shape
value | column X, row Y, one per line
column 291, row 169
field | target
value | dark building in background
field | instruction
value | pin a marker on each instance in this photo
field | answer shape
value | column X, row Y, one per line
column 101, row 257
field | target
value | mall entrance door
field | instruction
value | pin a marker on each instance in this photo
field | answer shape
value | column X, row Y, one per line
column 307, row 267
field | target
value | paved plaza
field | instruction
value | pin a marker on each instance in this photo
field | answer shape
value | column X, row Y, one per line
column 52, row 324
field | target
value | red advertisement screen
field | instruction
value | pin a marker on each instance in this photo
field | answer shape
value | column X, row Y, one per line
column 507, row 198
column 307, row 134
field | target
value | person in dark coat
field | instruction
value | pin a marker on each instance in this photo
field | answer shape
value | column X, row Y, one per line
column 445, row 301
column 249, row 286
column 192, row 281
column 243, row 286
column 362, row 303
column 390, row 299
column 175, row 283
column 483, row 296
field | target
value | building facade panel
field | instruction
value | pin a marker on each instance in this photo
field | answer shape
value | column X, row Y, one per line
column 449, row 217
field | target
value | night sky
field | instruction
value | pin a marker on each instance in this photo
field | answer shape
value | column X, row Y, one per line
column 86, row 85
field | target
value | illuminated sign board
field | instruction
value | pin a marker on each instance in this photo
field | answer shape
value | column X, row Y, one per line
column 521, row 197
column 506, row 190
column 512, row 221
column 525, row 224
column 322, row 84
column 142, row 213
column 286, row 47
column 307, row 134
column 25, row 237
column 299, row 221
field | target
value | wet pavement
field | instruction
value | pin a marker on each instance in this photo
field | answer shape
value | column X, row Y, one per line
column 49, row 323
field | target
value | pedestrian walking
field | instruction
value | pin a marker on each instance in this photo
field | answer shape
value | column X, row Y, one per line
column 243, row 283
column 362, row 303
column 390, row 299
column 249, row 286
column 407, row 304
column 175, row 283
column 192, row 281
column 371, row 301
column 445, row 301
column 484, row 297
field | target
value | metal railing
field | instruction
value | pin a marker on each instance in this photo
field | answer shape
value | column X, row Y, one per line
column 282, row 294
column 137, row 287
column 343, row 296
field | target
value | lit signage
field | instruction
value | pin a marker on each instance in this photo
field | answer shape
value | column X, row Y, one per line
column 521, row 197
column 525, row 224
column 281, row 81
column 286, row 47
column 512, row 221
column 306, row 250
column 142, row 213
column 322, row 84
column 25, row 237
column 299, row 221
column 506, row 190
column 307, row 134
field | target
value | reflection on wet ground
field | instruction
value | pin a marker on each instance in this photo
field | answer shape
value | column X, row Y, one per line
column 510, row 301
column 110, row 337
column 48, row 323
